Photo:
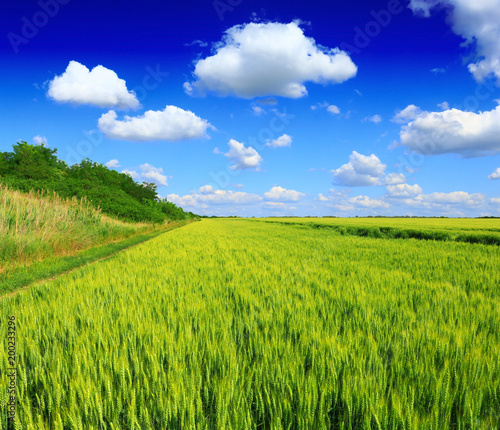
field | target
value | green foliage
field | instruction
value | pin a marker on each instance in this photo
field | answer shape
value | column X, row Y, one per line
column 36, row 167
column 238, row 324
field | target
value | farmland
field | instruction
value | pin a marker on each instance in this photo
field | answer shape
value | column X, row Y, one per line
column 268, row 324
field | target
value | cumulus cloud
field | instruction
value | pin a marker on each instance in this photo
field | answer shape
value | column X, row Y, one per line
column 334, row 110
column 113, row 163
column 407, row 114
column 263, row 59
column 394, row 179
column 216, row 197
column 454, row 198
column 98, row 87
column 322, row 198
column 132, row 173
column 495, row 174
column 283, row 195
column 280, row 142
column 150, row 173
column 403, row 191
column 38, row 140
column 478, row 22
column 367, row 202
column 243, row 157
column 451, row 131
column 171, row 124
column 362, row 170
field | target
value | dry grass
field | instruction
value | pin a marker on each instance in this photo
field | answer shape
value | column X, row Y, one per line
column 38, row 225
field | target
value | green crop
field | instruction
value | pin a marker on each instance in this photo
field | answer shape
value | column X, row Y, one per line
column 237, row 324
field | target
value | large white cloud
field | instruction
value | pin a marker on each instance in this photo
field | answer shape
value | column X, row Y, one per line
column 477, row 21
column 451, row 131
column 495, row 174
column 172, row 124
column 243, row 157
column 362, row 170
column 279, row 194
column 99, row 87
column 263, row 59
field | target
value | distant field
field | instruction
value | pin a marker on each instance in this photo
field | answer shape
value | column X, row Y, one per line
column 252, row 324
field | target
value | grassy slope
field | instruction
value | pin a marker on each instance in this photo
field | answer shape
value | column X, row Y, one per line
column 42, row 234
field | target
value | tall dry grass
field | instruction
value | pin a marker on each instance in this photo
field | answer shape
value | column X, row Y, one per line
column 40, row 224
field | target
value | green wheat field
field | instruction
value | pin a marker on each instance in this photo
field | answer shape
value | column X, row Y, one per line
column 268, row 324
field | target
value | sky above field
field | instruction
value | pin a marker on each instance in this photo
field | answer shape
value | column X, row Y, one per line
column 265, row 108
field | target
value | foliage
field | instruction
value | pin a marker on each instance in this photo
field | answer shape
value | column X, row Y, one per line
column 239, row 324
column 36, row 167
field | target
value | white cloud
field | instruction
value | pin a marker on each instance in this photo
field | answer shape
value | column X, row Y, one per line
column 361, row 170
column 280, row 142
column 407, row 114
column 375, row 119
column 257, row 110
column 132, row 173
column 99, row 87
column 478, row 22
column 444, row 105
column 333, row 109
column 322, row 198
column 367, row 202
column 243, row 157
column 113, row 163
column 237, row 185
column 394, row 179
column 403, row 191
column 495, row 174
column 495, row 200
column 216, row 197
column 172, row 124
column 38, row 140
column 451, row 131
column 282, row 194
column 262, row 59
column 206, row 189
column 275, row 205
column 438, row 70
column 153, row 174
column 454, row 198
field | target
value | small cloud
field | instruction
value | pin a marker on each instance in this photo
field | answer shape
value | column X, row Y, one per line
column 237, row 185
column 217, row 151
column 206, row 189
column 280, row 142
column 444, row 105
column 39, row 140
column 495, row 174
column 333, row 109
column 358, row 92
column 322, row 198
column 243, row 157
column 113, row 163
column 199, row 43
column 257, row 110
column 375, row 119
column 154, row 174
column 132, row 173
column 438, row 71
column 282, row 194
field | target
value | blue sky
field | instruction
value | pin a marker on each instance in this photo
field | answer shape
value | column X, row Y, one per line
column 257, row 108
